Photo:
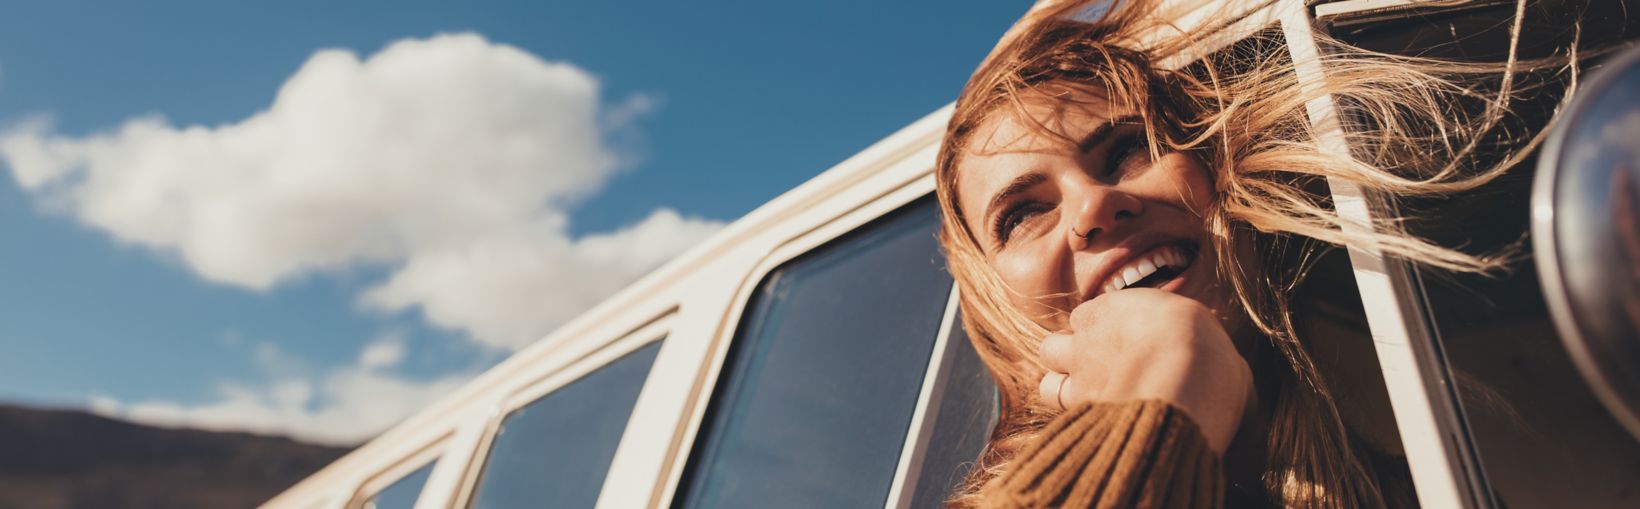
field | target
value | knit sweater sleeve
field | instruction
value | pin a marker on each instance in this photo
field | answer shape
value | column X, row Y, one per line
column 1113, row 455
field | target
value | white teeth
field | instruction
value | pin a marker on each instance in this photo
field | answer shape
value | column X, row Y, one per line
column 1132, row 275
column 1143, row 266
column 1147, row 266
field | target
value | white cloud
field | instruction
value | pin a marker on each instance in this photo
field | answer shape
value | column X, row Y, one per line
column 386, row 352
column 452, row 161
column 341, row 406
column 502, row 289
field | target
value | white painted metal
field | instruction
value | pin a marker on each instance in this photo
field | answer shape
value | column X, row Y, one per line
column 655, row 431
column 1428, row 456
column 445, row 483
column 1355, row 6
column 392, row 474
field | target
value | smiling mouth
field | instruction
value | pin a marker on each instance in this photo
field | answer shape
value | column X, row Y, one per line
column 1152, row 269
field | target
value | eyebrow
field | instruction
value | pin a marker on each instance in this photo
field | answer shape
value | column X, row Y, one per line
column 1019, row 185
column 1024, row 182
column 1098, row 135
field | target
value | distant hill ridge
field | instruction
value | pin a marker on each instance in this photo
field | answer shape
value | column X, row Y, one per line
column 69, row 459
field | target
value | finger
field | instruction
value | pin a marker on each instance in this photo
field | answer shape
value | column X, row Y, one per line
column 1111, row 311
column 1086, row 315
column 1058, row 352
column 1050, row 391
column 1085, row 387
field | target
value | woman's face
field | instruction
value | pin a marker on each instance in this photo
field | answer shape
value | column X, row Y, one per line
column 1064, row 222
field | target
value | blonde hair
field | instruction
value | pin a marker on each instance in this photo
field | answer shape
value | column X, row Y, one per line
column 1242, row 113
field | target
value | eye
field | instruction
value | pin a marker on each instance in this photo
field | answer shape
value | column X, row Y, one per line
column 1127, row 151
column 1012, row 217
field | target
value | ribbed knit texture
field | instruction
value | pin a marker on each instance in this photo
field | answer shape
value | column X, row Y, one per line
column 1113, row 455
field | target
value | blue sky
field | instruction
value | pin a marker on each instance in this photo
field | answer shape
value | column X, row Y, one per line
column 159, row 259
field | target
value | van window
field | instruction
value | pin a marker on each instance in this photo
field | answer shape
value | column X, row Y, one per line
column 402, row 493
column 820, row 384
column 558, row 448
column 1539, row 437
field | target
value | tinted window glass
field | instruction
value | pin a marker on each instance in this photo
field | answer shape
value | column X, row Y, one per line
column 402, row 493
column 1538, row 436
column 555, row 451
column 963, row 419
column 824, row 373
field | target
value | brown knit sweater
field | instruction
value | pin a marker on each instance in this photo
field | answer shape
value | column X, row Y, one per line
column 1113, row 455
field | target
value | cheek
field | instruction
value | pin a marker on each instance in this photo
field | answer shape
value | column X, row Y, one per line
column 1034, row 279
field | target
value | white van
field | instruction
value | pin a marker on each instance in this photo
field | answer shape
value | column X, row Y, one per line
column 810, row 355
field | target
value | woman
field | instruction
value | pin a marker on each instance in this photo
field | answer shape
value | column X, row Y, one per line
column 1125, row 239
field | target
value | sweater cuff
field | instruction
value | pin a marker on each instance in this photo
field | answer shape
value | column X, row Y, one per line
column 1127, row 454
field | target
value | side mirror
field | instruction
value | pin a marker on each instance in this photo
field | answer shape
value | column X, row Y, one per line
column 1586, row 233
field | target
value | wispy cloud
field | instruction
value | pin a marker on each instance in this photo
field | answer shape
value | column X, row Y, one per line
column 452, row 161
column 385, row 352
column 342, row 406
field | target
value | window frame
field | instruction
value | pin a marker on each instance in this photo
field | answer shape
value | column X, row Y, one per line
column 877, row 208
column 1436, row 443
column 801, row 245
column 386, row 476
column 884, row 178
column 908, row 472
column 583, row 363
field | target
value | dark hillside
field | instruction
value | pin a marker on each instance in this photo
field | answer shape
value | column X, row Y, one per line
column 64, row 459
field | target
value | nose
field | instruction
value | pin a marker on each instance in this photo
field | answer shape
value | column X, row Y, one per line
column 1095, row 210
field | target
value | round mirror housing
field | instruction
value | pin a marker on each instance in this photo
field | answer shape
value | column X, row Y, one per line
column 1586, row 233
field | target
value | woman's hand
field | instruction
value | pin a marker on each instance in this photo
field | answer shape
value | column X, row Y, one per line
column 1144, row 343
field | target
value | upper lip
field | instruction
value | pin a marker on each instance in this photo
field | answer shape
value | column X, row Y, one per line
column 1115, row 257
